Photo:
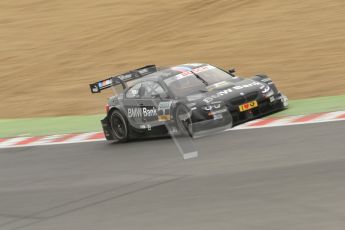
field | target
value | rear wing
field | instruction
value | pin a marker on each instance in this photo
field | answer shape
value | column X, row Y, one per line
column 121, row 79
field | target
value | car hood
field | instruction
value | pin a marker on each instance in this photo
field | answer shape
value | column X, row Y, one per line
column 226, row 90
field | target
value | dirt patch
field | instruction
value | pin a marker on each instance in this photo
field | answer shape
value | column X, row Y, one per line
column 51, row 50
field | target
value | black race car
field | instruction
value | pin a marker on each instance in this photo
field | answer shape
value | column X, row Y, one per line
column 187, row 99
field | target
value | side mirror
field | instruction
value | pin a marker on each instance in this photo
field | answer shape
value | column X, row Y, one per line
column 231, row 71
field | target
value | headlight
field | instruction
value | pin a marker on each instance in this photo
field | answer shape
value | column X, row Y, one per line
column 214, row 105
column 269, row 93
column 265, row 89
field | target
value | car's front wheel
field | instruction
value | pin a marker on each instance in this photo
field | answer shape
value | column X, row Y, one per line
column 119, row 126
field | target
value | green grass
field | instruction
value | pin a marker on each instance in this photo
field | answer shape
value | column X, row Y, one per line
column 49, row 125
column 79, row 124
column 314, row 105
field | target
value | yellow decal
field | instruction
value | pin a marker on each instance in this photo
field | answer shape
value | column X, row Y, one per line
column 164, row 118
column 248, row 106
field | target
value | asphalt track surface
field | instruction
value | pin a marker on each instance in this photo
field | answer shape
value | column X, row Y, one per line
column 271, row 178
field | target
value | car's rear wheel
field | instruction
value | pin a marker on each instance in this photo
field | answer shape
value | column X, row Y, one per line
column 184, row 120
column 119, row 126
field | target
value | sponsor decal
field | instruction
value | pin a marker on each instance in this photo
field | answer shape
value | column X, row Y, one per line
column 164, row 111
column 104, row 83
column 164, row 117
column 217, row 85
column 203, row 69
column 141, row 112
column 248, row 106
column 186, row 71
column 164, row 105
column 232, row 89
column 178, row 77
column 149, row 112
column 194, row 64
column 134, row 112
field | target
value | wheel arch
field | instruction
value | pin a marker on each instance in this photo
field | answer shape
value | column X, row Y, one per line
column 112, row 109
column 129, row 127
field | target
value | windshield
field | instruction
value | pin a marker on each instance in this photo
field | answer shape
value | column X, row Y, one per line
column 188, row 82
column 214, row 75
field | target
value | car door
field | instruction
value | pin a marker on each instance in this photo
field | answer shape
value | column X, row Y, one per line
column 152, row 93
column 141, row 103
column 133, row 106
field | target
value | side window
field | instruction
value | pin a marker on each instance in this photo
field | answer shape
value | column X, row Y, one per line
column 134, row 91
column 151, row 89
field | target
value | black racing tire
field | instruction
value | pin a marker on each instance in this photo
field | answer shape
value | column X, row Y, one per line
column 184, row 120
column 119, row 126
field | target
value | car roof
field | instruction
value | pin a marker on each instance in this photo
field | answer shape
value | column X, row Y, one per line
column 166, row 72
